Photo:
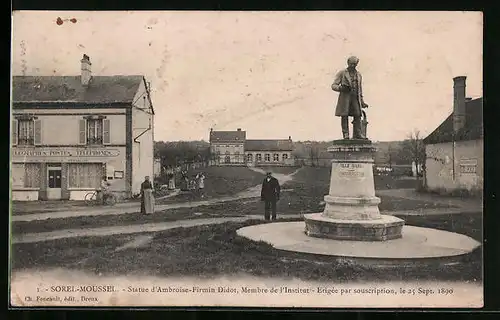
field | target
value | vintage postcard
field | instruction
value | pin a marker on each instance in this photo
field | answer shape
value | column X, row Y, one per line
column 246, row 159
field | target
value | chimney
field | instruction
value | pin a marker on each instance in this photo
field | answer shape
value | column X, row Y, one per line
column 458, row 103
column 86, row 70
column 239, row 129
column 290, row 138
column 211, row 129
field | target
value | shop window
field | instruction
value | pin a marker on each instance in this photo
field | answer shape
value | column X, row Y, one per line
column 26, row 175
column 26, row 132
column 84, row 175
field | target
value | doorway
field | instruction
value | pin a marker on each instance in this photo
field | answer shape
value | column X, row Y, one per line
column 54, row 183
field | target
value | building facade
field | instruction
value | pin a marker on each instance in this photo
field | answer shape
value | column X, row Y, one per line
column 228, row 147
column 454, row 150
column 231, row 148
column 70, row 131
column 269, row 152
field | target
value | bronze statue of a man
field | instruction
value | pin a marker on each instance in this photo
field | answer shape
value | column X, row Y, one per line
column 350, row 102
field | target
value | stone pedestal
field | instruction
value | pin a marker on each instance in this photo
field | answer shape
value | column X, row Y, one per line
column 351, row 207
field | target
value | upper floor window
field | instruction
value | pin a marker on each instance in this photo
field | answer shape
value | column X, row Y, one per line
column 267, row 157
column 26, row 132
column 285, row 156
column 249, row 157
column 276, row 157
column 259, row 157
column 94, row 131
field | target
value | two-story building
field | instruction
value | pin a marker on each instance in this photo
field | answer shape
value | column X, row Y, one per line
column 70, row 131
column 228, row 147
column 232, row 148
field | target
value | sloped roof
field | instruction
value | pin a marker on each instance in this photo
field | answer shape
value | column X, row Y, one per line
column 472, row 130
column 227, row 136
column 68, row 89
column 269, row 145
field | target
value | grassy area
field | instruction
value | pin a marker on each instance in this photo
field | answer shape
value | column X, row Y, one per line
column 280, row 170
column 320, row 176
column 213, row 250
column 220, row 182
column 298, row 201
column 84, row 222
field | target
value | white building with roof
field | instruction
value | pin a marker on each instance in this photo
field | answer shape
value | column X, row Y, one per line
column 68, row 132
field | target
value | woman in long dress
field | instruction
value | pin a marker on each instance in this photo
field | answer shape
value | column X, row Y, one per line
column 147, row 198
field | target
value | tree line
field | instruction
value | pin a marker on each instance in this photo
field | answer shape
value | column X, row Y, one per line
column 175, row 153
column 405, row 152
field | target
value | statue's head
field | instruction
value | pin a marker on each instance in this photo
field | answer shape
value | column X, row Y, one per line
column 352, row 62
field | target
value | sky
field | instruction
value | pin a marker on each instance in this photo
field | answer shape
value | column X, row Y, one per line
column 268, row 73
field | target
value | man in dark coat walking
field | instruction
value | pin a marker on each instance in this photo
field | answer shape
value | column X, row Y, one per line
column 270, row 194
column 350, row 102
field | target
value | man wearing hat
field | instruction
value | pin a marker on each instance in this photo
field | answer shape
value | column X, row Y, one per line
column 348, row 83
column 270, row 194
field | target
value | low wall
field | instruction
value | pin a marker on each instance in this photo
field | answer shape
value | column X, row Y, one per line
column 25, row 195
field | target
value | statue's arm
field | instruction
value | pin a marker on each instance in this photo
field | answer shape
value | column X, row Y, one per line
column 337, row 81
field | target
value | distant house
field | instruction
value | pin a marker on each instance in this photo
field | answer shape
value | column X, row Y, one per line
column 269, row 152
column 233, row 149
column 228, row 147
column 454, row 150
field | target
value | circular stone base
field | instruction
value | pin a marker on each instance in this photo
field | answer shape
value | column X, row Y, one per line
column 383, row 229
column 416, row 243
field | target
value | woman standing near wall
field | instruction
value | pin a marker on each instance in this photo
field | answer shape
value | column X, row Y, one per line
column 147, row 198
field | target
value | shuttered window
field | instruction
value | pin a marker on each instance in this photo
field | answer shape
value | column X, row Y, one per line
column 83, row 131
column 37, row 132
column 94, row 131
column 106, row 139
column 14, row 129
column 26, row 132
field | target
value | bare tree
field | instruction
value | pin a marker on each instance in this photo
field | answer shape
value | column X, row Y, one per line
column 314, row 155
column 413, row 150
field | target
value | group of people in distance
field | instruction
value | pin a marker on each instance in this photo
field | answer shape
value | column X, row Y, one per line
column 270, row 192
column 195, row 184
